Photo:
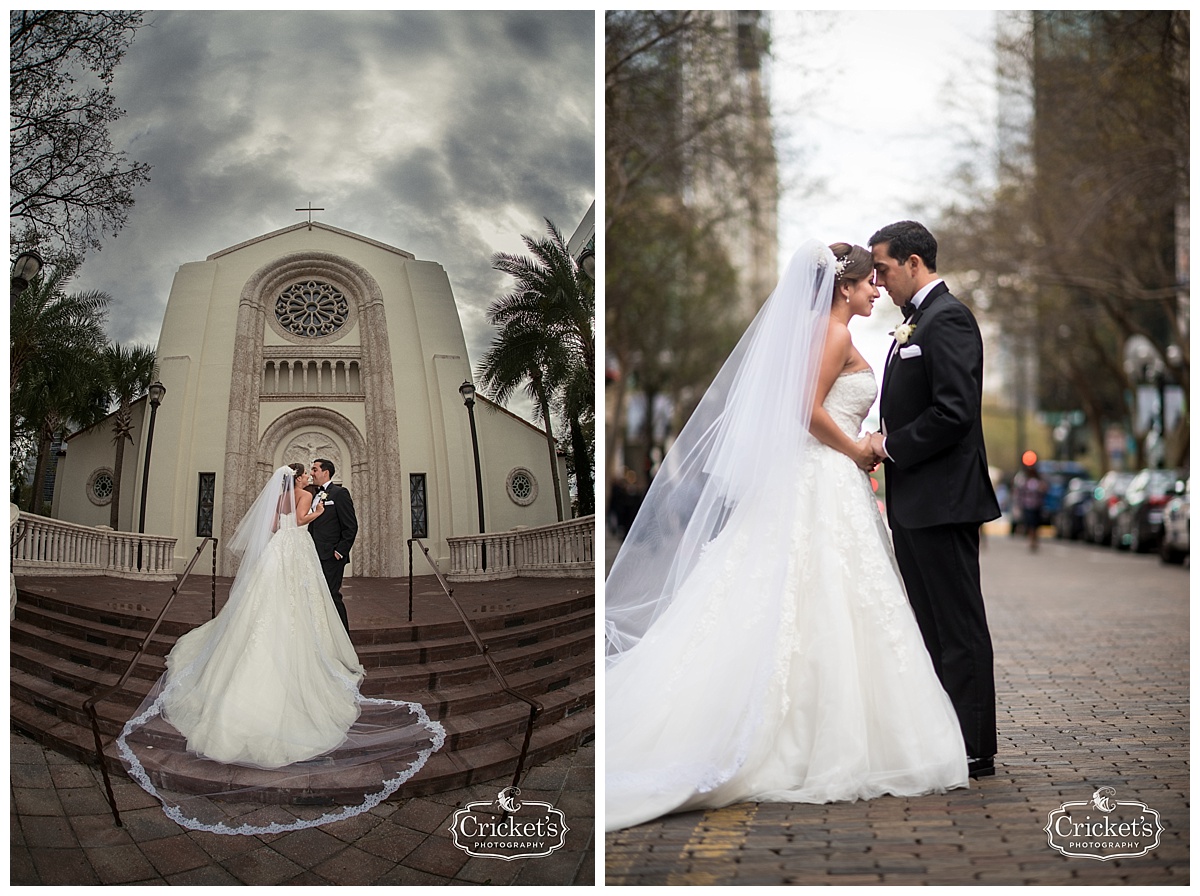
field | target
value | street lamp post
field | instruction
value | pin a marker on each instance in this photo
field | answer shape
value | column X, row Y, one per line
column 24, row 269
column 157, row 392
column 587, row 263
column 1147, row 372
column 467, row 391
column 1158, row 378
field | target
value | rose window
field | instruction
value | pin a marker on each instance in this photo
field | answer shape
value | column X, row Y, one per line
column 102, row 486
column 312, row 309
column 522, row 487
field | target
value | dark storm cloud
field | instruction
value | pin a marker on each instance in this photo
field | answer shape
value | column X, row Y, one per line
column 446, row 134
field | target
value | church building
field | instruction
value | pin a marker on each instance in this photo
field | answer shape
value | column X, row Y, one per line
column 316, row 342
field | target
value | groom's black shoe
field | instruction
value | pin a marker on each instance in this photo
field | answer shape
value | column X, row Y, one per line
column 981, row 768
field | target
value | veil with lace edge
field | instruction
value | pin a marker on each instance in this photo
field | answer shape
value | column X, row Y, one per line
column 389, row 742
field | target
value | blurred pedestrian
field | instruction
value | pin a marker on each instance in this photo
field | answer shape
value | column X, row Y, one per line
column 1032, row 496
column 623, row 503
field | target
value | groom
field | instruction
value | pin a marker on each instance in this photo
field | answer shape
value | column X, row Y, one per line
column 333, row 531
column 938, row 490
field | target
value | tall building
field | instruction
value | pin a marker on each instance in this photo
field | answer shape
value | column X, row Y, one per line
column 691, row 211
column 741, row 197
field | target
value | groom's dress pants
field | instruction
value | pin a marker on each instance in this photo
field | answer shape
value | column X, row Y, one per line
column 334, row 570
column 940, row 566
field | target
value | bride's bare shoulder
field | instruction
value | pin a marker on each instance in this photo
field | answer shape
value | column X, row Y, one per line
column 837, row 335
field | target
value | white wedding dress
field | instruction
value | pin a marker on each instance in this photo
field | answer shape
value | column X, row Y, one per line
column 836, row 699
column 273, row 679
column 265, row 697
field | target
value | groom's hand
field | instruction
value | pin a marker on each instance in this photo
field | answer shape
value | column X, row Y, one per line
column 864, row 455
column 877, row 447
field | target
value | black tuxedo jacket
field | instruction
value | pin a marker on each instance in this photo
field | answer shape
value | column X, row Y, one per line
column 930, row 405
column 336, row 528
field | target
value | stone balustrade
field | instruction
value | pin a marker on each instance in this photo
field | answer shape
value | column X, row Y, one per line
column 560, row 550
column 14, row 517
column 284, row 378
column 48, row 547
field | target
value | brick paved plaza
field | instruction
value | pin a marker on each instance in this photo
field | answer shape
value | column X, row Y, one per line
column 1092, row 679
column 62, row 833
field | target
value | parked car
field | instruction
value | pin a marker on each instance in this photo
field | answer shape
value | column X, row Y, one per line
column 1138, row 524
column 1177, row 516
column 1058, row 474
column 1068, row 522
column 1098, row 521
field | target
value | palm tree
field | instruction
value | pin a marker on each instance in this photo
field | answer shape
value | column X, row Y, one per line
column 49, row 327
column 54, row 339
column 52, row 399
column 577, row 405
column 547, row 341
column 128, row 373
column 517, row 355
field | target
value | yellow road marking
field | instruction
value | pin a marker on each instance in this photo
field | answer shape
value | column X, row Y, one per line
column 715, row 841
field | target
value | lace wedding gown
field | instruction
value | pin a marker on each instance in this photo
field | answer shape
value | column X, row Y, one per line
column 274, row 679
column 839, row 702
column 271, row 683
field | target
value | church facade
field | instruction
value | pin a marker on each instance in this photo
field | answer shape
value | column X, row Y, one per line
column 316, row 342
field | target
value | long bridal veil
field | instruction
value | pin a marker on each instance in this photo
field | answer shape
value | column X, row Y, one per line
column 261, row 522
column 273, row 675
column 742, row 444
column 692, row 667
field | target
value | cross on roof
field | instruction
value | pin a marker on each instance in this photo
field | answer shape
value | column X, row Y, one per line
column 310, row 210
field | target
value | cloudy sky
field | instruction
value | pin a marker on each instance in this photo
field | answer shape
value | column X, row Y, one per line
column 873, row 112
column 448, row 135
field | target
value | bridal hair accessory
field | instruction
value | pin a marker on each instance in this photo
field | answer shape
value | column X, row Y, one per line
column 839, row 267
column 903, row 333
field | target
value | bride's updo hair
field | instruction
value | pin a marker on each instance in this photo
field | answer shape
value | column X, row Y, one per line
column 297, row 469
column 855, row 261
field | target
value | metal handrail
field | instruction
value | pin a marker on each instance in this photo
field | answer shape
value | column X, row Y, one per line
column 535, row 708
column 89, row 705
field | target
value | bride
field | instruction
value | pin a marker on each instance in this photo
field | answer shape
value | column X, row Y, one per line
column 272, row 683
column 759, row 642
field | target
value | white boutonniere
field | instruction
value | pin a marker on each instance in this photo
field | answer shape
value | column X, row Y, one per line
column 903, row 333
column 320, row 497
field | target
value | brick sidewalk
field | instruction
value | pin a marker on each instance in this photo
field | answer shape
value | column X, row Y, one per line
column 1092, row 678
column 62, row 833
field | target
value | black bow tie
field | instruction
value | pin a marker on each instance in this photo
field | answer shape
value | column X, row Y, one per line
column 908, row 309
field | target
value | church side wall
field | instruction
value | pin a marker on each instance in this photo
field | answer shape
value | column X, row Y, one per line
column 87, row 453
column 195, row 352
column 455, row 502
column 518, row 483
column 441, row 439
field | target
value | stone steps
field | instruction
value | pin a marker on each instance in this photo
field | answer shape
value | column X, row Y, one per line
column 102, row 647
column 63, row 651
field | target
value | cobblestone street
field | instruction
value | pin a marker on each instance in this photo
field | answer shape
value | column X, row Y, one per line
column 1091, row 653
